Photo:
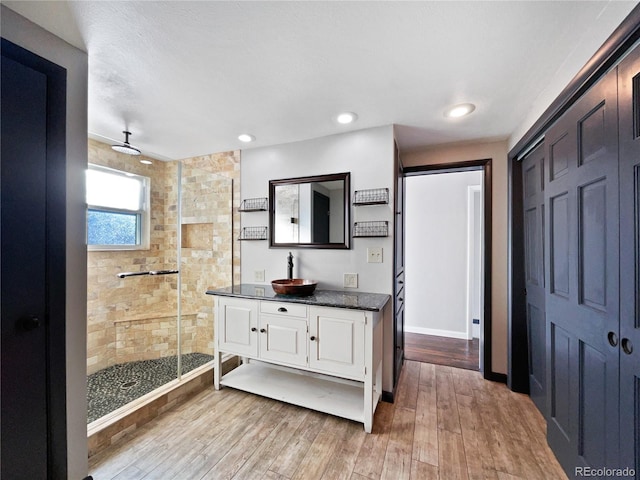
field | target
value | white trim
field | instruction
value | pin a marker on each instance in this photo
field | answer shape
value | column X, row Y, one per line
column 471, row 190
column 436, row 332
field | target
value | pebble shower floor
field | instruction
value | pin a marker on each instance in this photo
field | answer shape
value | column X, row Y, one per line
column 113, row 387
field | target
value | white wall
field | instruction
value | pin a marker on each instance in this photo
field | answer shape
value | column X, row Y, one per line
column 368, row 156
column 436, row 253
column 28, row 35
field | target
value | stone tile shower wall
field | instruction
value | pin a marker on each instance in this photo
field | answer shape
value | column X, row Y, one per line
column 210, row 230
column 135, row 318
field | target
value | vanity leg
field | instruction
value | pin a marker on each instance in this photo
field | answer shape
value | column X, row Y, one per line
column 368, row 422
column 217, row 371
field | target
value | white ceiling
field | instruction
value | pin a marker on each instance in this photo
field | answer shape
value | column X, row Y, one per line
column 187, row 77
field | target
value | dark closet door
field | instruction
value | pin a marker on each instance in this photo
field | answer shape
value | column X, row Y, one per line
column 32, row 220
column 533, row 202
column 629, row 107
column 582, row 299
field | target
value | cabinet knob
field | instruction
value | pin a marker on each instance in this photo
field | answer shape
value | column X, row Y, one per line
column 400, row 282
column 254, row 329
column 613, row 339
column 262, row 330
column 312, row 338
column 627, row 346
column 282, row 309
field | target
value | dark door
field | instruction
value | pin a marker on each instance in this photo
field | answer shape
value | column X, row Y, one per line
column 533, row 203
column 321, row 212
column 32, row 260
column 398, row 322
column 582, row 266
column 629, row 114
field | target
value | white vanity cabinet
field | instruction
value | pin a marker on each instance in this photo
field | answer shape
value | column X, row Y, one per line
column 283, row 337
column 324, row 358
column 237, row 326
column 337, row 341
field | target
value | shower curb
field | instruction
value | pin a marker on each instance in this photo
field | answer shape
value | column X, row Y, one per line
column 114, row 432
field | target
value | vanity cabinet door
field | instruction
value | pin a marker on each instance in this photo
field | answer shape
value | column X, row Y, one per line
column 237, row 323
column 283, row 339
column 336, row 341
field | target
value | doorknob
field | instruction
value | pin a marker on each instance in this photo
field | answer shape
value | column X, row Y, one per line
column 627, row 346
column 30, row 322
column 613, row 339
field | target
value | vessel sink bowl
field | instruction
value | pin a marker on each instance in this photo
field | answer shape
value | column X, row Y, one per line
column 294, row 286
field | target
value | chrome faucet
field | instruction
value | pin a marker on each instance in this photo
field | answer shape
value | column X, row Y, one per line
column 290, row 266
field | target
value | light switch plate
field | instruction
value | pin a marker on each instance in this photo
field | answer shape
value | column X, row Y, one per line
column 374, row 255
column 258, row 275
column 350, row 280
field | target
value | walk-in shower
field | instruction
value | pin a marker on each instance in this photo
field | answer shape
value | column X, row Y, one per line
column 150, row 324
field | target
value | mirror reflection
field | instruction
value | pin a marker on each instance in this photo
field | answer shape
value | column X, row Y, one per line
column 310, row 211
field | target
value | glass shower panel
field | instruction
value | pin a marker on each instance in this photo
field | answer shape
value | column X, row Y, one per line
column 132, row 311
column 205, row 259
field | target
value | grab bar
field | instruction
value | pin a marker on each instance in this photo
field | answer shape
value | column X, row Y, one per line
column 151, row 272
column 163, row 272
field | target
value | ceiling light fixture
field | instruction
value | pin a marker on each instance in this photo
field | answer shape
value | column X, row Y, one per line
column 126, row 148
column 346, row 118
column 459, row 110
column 146, row 162
column 246, row 138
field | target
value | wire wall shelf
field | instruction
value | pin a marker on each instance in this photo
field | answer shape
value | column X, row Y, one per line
column 371, row 229
column 373, row 196
column 253, row 233
column 254, row 205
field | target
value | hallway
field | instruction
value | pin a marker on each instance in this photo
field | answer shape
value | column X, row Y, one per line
column 453, row 352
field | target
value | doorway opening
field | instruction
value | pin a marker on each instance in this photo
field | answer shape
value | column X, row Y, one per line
column 446, row 310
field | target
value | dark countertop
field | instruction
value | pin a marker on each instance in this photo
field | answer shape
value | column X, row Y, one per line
column 373, row 302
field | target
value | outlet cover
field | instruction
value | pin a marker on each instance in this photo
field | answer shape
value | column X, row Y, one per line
column 374, row 255
column 258, row 275
column 350, row 280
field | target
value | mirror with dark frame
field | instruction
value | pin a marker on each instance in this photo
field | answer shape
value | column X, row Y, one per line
column 310, row 212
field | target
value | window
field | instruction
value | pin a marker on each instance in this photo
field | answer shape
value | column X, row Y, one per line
column 117, row 210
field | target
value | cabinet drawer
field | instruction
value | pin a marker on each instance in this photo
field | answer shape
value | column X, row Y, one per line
column 285, row 309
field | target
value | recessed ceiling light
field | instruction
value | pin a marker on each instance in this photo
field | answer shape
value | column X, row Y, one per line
column 146, row 162
column 346, row 117
column 459, row 110
column 246, row 138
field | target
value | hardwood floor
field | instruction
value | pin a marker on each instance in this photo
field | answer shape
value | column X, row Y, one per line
column 446, row 424
column 453, row 352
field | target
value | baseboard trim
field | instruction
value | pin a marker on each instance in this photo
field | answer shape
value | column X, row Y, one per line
column 437, row 332
column 497, row 377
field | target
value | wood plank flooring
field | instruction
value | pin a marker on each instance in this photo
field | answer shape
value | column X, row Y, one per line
column 452, row 352
column 446, row 424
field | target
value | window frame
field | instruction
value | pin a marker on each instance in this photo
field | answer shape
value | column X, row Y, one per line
column 143, row 235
